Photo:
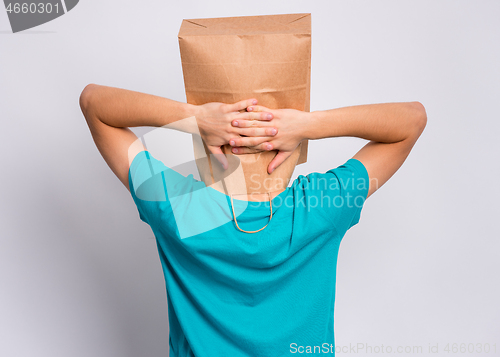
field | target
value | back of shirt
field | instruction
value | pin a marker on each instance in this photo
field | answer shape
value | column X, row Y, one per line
column 232, row 293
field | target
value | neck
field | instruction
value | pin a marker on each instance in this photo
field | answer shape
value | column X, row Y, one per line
column 246, row 177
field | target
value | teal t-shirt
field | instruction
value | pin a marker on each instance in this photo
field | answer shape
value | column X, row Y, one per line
column 231, row 293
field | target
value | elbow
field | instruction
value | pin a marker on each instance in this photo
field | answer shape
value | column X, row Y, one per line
column 86, row 98
column 419, row 117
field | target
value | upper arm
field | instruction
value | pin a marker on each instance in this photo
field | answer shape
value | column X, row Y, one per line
column 118, row 146
column 382, row 160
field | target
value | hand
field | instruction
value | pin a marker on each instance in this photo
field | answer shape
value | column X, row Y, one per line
column 291, row 125
column 214, row 122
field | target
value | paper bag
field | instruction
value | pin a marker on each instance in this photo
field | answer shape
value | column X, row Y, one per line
column 229, row 59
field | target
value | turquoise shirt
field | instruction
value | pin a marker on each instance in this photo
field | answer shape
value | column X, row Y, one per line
column 235, row 294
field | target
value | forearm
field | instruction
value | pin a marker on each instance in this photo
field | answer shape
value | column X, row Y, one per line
column 385, row 122
column 124, row 108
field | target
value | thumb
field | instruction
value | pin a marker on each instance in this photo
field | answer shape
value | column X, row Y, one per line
column 219, row 155
column 278, row 160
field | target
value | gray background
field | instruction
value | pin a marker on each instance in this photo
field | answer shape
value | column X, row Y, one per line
column 80, row 273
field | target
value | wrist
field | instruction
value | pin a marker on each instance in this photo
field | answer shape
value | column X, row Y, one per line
column 311, row 125
column 325, row 124
column 186, row 119
column 191, row 110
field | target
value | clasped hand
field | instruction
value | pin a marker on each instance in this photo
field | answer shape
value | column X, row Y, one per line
column 250, row 128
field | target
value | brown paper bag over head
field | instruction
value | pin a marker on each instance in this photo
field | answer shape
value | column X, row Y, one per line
column 229, row 59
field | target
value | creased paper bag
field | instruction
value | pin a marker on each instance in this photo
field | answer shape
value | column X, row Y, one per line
column 229, row 59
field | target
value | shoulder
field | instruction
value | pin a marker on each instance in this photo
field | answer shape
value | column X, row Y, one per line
column 151, row 180
column 350, row 176
column 336, row 195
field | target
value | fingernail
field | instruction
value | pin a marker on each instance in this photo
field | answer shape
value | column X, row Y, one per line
column 235, row 123
column 269, row 116
column 254, row 102
column 271, row 170
column 273, row 132
column 231, row 142
column 268, row 146
column 235, row 150
column 249, row 109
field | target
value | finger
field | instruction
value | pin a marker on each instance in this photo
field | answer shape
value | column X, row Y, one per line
column 219, row 155
column 266, row 146
column 242, row 104
column 243, row 123
column 245, row 150
column 257, row 131
column 258, row 108
column 265, row 116
column 278, row 160
column 248, row 141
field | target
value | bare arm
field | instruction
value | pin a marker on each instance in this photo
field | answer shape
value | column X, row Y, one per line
column 392, row 128
column 110, row 111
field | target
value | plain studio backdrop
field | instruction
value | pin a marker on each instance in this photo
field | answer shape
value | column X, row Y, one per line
column 80, row 273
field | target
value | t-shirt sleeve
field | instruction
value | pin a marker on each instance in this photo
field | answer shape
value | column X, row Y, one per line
column 341, row 193
column 149, row 179
column 355, row 184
